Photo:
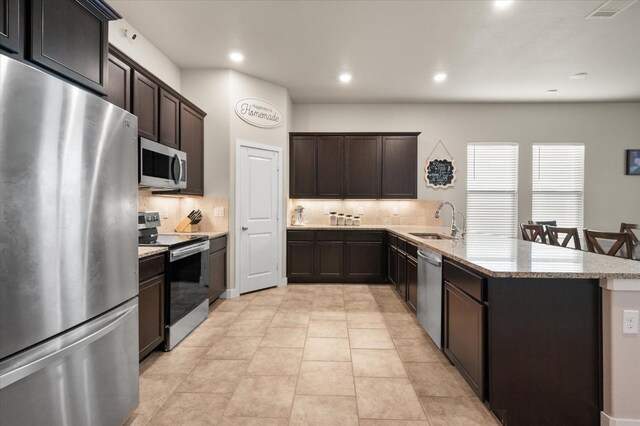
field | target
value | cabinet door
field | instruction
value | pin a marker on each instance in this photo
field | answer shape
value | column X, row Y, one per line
column 302, row 168
column 192, row 142
column 151, row 314
column 412, row 283
column 399, row 166
column 364, row 261
column 464, row 336
column 401, row 284
column 393, row 265
column 300, row 260
column 70, row 38
column 330, row 164
column 329, row 260
column 169, row 120
column 119, row 83
column 362, row 166
column 217, row 274
column 145, row 105
column 10, row 25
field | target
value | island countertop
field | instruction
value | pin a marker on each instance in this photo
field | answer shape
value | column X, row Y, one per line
column 503, row 257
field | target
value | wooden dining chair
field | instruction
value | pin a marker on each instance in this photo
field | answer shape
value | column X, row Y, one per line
column 533, row 233
column 621, row 243
column 544, row 224
column 629, row 228
column 553, row 232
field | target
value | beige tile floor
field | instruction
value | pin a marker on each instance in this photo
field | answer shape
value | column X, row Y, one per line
column 312, row 354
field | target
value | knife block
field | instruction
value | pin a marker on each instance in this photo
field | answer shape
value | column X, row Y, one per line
column 184, row 226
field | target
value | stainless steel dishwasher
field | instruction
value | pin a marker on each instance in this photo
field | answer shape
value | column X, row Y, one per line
column 430, row 294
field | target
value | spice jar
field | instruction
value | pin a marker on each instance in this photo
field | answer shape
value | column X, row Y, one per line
column 340, row 219
column 333, row 218
column 356, row 221
column 349, row 220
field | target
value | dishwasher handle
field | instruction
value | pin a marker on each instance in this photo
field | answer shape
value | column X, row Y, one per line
column 435, row 260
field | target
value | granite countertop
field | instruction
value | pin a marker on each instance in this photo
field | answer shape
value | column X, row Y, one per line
column 149, row 251
column 210, row 234
column 509, row 257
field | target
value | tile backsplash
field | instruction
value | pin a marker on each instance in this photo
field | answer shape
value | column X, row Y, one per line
column 374, row 212
column 178, row 208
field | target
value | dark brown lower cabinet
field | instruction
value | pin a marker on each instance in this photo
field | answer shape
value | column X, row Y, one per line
column 329, row 260
column 217, row 268
column 401, row 283
column 300, row 261
column 392, row 265
column 464, row 336
column 412, row 283
column 150, row 304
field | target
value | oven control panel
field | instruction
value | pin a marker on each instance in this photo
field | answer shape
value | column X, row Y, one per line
column 148, row 220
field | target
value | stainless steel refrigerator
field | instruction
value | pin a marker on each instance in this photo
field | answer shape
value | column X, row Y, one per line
column 68, row 261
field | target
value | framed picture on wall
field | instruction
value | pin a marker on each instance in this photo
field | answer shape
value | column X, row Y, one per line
column 633, row 162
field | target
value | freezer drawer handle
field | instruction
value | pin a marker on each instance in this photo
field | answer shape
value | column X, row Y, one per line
column 21, row 366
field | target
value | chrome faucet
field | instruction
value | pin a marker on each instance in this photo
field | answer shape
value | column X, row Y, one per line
column 454, row 227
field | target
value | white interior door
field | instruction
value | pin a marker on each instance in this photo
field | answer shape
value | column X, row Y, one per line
column 258, row 212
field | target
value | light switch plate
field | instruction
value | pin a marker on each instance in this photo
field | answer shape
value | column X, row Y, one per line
column 165, row 213
column 360, row 210
column 395, row 211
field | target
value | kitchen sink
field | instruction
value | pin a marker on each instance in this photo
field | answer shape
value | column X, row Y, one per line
column 429, row 236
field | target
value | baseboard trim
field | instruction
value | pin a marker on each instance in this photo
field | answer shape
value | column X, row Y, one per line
column 230, row 293
column 606, row 420
column 283, row 282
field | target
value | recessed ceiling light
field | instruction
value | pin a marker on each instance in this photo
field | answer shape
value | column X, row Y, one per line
column 440, row 77
column 345, row 77
column 552, row 91
column 579, row 76
column 236, row 56
column 502, row 4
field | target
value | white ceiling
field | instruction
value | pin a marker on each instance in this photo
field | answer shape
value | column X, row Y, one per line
column 393, row 48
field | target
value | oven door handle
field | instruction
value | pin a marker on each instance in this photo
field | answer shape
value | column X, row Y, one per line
column 181, row 253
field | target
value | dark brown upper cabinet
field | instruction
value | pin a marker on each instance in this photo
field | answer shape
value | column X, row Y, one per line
column 353, row 165
column 302, row 167
column 191, row 142
column 399, row 166
column 146, row 93
column 330, row 172
column 119, row 83
column 169, row 119
column 10, row 25
column 362, row 166
column 70, row 38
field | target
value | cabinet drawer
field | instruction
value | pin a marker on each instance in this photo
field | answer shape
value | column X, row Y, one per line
column 412, row 250
column 393, row 240
column 364, row 236
column 216, row 244
column 300, row 235
column 465, row 280
column 402, row 244
column 329, row 235
column 150, row 267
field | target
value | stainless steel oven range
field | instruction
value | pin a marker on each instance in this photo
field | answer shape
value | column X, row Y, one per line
column 186, row 272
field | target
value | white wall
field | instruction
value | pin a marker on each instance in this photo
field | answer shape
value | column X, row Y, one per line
column 606, row 129
column 144, row 52
column 216, row 92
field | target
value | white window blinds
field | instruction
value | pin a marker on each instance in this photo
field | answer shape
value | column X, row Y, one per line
column 492, row 188
column 558, row 183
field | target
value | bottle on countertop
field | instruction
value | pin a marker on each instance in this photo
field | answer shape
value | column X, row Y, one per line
column 340, row 219
column 333, row 218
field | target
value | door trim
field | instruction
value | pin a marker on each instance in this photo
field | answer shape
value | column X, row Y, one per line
column 237, row 232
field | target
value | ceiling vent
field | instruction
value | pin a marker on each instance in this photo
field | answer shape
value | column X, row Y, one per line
column 610, row 9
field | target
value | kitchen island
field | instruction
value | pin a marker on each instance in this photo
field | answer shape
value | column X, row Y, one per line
column 536, row 330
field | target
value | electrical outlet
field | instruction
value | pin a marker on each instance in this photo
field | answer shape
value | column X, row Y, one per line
column 629, row 322
column 218, row 211
column 165, row 213
column 360, row 210
column 326, row 210
column 395, row 211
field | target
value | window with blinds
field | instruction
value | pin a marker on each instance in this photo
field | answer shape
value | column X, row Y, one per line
column 492, row 188
column 558, row 183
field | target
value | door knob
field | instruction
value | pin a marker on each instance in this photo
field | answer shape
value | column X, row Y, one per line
column 244, row 228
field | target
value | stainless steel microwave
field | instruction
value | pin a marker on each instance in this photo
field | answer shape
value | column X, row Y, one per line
column 162, row 167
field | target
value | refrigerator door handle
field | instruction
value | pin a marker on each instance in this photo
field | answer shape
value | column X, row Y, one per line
column 31, row 361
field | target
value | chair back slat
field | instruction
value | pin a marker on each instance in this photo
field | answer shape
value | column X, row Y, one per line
column 533, row 233
column 553, row 232
column 629, row 228
column 621, row 243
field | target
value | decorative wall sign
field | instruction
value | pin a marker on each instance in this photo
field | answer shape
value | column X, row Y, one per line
column 440, row 172
column 259, row 113
column 633, row 162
